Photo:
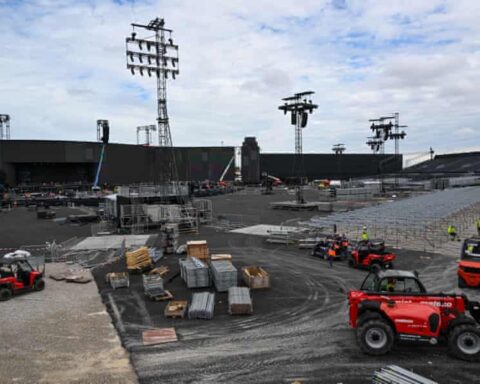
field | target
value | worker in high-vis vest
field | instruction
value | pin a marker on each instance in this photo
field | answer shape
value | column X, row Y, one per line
column 452, row 232
column 478, row 227
column 365, row 238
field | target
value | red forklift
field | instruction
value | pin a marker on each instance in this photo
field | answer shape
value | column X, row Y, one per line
column 469, row 264
column 393, row 305
column 18, row 275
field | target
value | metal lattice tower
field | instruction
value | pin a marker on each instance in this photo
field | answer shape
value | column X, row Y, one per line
column 4, row 127
column 162, row 62
column 299, row 105
column 385, row 128
column 148, row 129
column 160, row 59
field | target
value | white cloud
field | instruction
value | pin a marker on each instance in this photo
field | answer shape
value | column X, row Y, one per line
column 63, row 67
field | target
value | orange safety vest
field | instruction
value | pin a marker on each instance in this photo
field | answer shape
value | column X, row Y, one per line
column 331, row 252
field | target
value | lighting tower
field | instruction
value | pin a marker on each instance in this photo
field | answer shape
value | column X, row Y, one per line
column 376, row 145
column 338, row 149
column 386, row 128
column 155, row 56
column 299, row 105
column 4, row 127
column 148, row 135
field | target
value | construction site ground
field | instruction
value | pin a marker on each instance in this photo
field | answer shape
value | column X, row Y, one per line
column 61, row 335
column 299, row 329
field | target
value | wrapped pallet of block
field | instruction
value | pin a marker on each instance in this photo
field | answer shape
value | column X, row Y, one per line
column 256, row 277
column 239, row 301
column 138, row 260
column 198, row 249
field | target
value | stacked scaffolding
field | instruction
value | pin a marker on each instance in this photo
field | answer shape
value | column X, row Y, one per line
column 202, row 306
column 171, row 237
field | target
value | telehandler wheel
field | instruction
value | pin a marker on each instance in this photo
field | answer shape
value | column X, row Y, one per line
column 39, row 285
column 375, row 267
column 464, row 342
column 461, row 283
column 5, row 294
column 375, row 337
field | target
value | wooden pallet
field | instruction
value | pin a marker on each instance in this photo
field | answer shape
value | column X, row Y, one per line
column 176, row 309
column 166, row 296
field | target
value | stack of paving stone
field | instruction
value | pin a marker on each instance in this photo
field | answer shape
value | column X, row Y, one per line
column 153, row 285
column 239, row 301
column 202, row 306
column 194, row 273
column 224, row 275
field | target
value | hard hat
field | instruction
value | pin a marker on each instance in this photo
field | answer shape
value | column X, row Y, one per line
column 364, row 227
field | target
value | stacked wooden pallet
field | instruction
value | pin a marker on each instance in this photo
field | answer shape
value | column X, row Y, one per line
column 255, row 277
column 221, row 256
column 138, row 260
column 239, row 301
column 198, row 249
column 176, row 309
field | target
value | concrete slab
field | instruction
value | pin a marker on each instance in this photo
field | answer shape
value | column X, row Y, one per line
column 61, row 335
column 266, row 230
column 111, row 242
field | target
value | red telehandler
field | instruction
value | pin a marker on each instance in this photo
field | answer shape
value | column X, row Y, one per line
column 394, row 305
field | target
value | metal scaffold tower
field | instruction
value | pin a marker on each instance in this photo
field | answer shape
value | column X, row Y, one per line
column 4, row 127
column 148, row 129
column 299, row 105
column 158, row 56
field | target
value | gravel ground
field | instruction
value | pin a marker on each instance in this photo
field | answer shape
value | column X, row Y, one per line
column 298, row 330
column 299, row 327
column 60, row 335
column 21, row 227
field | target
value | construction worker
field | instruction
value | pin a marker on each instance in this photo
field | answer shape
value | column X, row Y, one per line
column 364, row 236
column 331, row 256
column 478, row 227
column 452, row 232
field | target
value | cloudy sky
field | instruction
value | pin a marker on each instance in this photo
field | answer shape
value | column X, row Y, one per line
column 63, row 66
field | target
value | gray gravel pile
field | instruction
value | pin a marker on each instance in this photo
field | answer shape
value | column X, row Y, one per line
column 239, row 301
column 202, row 306
column 224, row 275
column 195, row 273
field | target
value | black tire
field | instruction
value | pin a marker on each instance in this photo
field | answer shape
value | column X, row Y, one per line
column 461, row 283
column 375, row 337
column 375, row 267
column 39, row 285
column 464, row 342
column 351, row 262
column 5, row 294
column 389, row 266
column 366, row 316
